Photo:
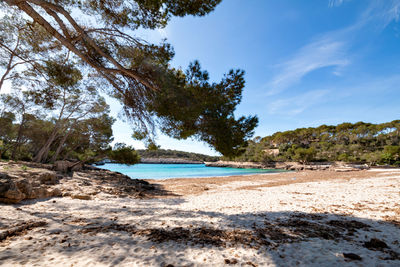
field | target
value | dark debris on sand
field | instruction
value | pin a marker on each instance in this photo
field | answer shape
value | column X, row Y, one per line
column 270, row 235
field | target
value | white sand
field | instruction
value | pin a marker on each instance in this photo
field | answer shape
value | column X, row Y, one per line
column 61, row 242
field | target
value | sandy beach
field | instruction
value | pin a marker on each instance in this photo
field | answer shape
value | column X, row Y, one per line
column 308, row 218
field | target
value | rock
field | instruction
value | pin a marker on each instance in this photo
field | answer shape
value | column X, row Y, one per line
column 25, row 187
column 17, row 184
column 9, row 192
column 56, row 193
column 76, row 167
column 375, row 243
column 234, row 164
column 13, row 195
column 67, row 166
column 49, row 178
column 352, row 256
column 15, row 189
column 61, row 166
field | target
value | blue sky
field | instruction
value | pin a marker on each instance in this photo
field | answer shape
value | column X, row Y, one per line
column 307, row 63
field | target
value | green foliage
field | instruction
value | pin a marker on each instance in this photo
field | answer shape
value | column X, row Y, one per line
column 124, row 154
column 205, row 110
column 168, row 153
column 24, row 167
column 357, row 143
column 152, row 146
column 391, row 154
column 304, row 155
column 81, row 130
column 100, row 48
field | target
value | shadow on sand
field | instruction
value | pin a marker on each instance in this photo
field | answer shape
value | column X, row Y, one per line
column 128, row 233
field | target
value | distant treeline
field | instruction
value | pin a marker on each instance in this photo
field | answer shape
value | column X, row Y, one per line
column 168, row 153
column 356, row 143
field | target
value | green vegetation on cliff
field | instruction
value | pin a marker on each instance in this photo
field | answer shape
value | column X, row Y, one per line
column 356, row 143
column 168, row 153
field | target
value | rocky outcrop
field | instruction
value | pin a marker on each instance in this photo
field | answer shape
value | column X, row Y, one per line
column 235, row 164
column 294, row 166
column 169, row 161
column 14, row 189
column 67, row 166
column 19, row 182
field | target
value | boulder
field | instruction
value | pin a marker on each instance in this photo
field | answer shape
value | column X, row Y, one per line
column 9, row 192
column 61, row 166
column 15, row 189
column 67, row 166
column 56, row 192
column 49, row 178
column 25, row 187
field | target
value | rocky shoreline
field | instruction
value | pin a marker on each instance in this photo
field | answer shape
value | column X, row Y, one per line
column 294, row 166
column 24, row 181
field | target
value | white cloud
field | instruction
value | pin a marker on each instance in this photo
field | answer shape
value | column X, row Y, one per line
column 382, row 13
column 334, row 3
column 321, row 53
column 297, row 104
column 332, row 48
column 370, row 88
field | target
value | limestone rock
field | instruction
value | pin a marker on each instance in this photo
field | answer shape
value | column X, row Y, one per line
column 49, row 178
column 9, row 192
column 15, row 189
column 67, row 166
column 37, row 182
column 61, row 166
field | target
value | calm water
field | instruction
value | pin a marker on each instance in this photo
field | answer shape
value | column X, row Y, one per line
column 163, row 171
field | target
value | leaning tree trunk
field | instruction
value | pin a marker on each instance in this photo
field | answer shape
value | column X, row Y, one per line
column 43, row 152
column 18, row 141
column 59, row 148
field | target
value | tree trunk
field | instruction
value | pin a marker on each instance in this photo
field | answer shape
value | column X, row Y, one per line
column 9, row 67
column 17, row 142
column 59, row 148
column 40, row 156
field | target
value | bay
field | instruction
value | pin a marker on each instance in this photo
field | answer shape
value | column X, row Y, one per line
column 168, row 171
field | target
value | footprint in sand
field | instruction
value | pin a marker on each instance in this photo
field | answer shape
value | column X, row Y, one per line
column 136, row 250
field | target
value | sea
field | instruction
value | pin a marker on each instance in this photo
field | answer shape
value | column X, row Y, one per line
column 168, row 171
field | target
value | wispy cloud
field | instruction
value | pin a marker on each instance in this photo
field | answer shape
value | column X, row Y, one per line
column 321, row 53
column 333, row 3
column 382, row 12
column 297, row 104
column 331, row 49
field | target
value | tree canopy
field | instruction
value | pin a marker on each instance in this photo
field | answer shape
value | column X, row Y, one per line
column 349, row 142
column 99, row 38
column 168, row 153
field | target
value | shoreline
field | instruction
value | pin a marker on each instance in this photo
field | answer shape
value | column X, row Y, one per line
column 288, row 165
column 318, row 218
column 198, row 175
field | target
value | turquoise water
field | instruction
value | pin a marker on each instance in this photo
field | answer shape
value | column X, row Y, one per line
column 165, row 171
